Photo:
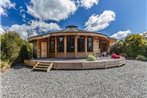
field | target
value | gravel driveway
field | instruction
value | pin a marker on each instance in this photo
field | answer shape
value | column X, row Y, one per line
column 129, row 81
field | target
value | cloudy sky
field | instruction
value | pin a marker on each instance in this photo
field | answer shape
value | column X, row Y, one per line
column 116, row 18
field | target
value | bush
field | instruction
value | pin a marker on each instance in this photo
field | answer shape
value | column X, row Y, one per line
column 134, row 45
column 91, row 58
column 141, row 58
column 4, row 65
column 117, row 48
column 24, row 54
column 124, row 55
column 11, row 45
column 145, row 51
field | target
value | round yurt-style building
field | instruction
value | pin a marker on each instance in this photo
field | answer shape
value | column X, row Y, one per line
column 68, row 48
column 70, row 43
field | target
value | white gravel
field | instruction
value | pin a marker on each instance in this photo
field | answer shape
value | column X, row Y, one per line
column 129, row 81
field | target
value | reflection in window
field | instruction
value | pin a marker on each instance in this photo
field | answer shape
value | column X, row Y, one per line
column 34, row 49
column 60, row 44
column 81, row 44
column 70, row 44
column 52, row 44
column 89, row 44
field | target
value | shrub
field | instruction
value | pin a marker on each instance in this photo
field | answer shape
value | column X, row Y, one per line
column 10, row 46
column 23, row 55
column 14, row 48
column 4, row 65
column 91, row 58
column 145, row 51
column 134, row 45
column 124, row 55
column 117, row 48
column 141, row 58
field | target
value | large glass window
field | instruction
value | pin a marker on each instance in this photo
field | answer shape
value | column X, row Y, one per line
column 60, row 44
column 35, row 49
column 81, row 44
column 90, row 44
column 70, row 44
column 52, row 44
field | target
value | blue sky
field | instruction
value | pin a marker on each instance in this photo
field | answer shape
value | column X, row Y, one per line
column 116, row 17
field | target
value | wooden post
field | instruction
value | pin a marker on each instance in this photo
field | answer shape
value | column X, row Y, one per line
column 95, row 46
column 48, row 47
column 94, row 52
column 55, row 46
column 109, row 44
column 76, row 45
column 98, row 44
column 86, row 45
column 65, row 46
column 38, row 49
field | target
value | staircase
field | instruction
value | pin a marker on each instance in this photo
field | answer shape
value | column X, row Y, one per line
column 43, row 66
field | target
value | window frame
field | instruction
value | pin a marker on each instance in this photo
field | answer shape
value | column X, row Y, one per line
column 81, row 44
column 69, row 44
column 59, row 49
column 50, row 47
column 88, row 48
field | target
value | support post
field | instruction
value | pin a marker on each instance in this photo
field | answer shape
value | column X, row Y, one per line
column 65, row 46
column 55, row 46
column 38, row 49
column 86, row 45
column 76, row 45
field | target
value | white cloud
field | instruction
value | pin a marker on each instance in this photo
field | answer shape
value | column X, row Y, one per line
column 121, row 34
column 51, row 9
column 44, row 26
column 20, row 29
column 5, row 4
column 22, row 13
column 99, row 22
column 144, row 34
column 23, row 30
column 88, row 3
column 2, row 31
column 23, row 16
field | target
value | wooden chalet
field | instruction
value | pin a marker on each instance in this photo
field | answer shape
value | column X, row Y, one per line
column 70, row 43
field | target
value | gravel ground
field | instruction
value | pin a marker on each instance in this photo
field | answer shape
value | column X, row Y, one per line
column 129, row 81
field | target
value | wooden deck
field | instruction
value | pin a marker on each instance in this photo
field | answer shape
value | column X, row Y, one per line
column 78, row 63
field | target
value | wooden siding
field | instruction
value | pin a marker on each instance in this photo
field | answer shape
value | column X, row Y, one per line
column 76, row 54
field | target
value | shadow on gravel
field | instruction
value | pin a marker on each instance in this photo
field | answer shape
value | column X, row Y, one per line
column 20, row 66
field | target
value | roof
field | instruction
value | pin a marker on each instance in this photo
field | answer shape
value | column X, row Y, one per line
column 68, row 29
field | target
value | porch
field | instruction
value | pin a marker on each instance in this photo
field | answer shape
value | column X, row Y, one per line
column 104, row 62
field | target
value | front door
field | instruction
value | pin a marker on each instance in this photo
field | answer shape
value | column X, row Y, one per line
column 43, row 49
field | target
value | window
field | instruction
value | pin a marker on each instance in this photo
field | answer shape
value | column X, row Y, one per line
column 89, row 44
column 52, row 44
column 81, row 44
column 70, row 44
column 34, row 49
column 60, row 44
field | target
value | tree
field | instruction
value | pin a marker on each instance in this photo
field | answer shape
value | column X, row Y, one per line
column 11, row 44
column 134, row 45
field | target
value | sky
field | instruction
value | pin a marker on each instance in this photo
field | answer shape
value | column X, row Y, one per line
column 115, row 18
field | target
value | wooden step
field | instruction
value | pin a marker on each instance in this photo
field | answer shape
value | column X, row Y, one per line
column 43, row 66
column 50, row 67
column 44, row 63
column 40, row 69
